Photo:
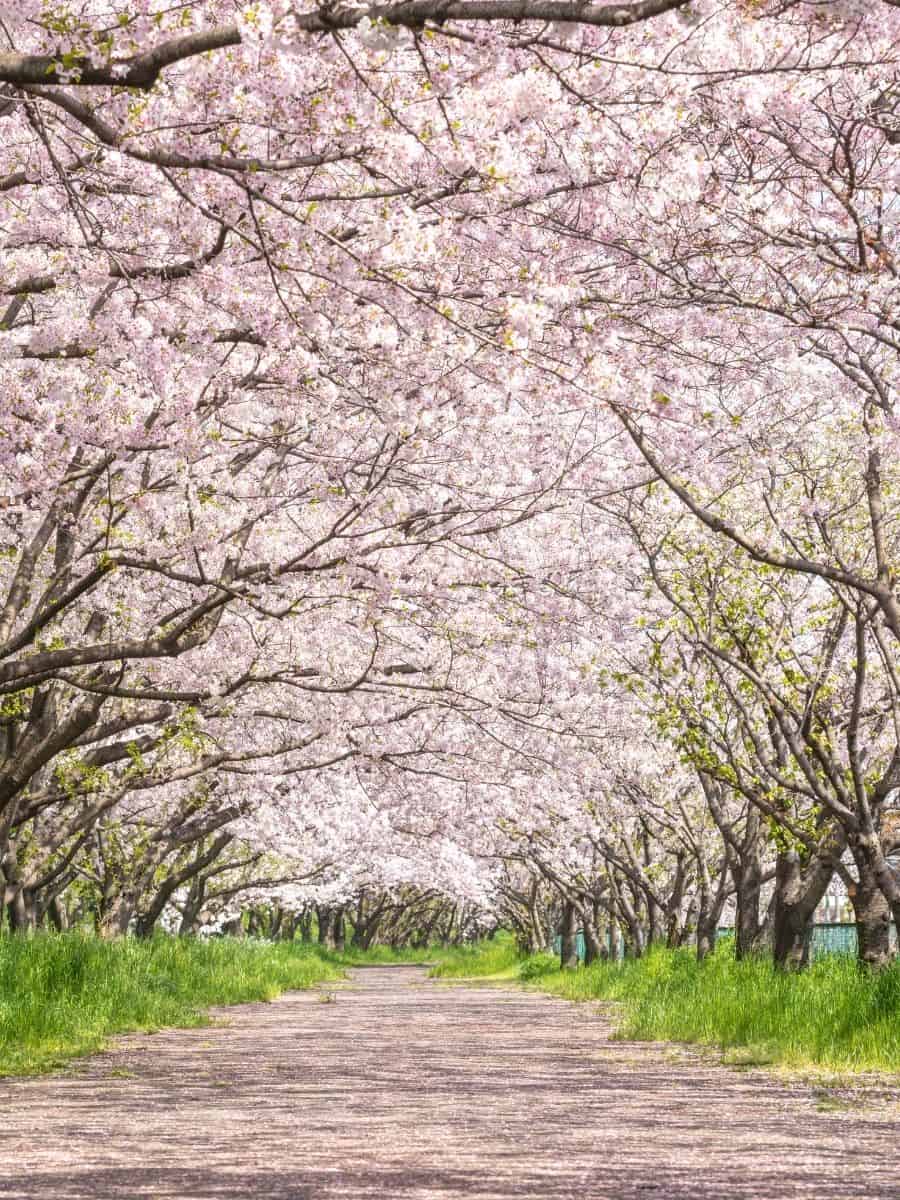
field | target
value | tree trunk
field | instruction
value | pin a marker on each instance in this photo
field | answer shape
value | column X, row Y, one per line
column 338, row 931
column 873, row 920
column 326, row 926
column 306, row 925
column 568, row 951
column 541, row 937
column 21, row 910
column 633, row 935
column 656, row 925
column 707, row 928
column 675, row 903
column 745, row 865
column 593, row 948
column 877, row 897
column 748, row 881
column 115, row 916
column 58, row 914
column 689, row 924
column 797, row 895
column 603, row 930
column 709, row 912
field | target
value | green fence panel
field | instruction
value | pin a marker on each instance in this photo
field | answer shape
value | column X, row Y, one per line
column 832, row 939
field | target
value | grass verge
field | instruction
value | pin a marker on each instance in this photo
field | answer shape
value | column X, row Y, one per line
column 379, row 956
column 834, row 1016
column 63, row 995
column 497, row 958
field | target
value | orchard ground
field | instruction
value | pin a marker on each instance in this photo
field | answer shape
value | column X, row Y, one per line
column 391, row 1084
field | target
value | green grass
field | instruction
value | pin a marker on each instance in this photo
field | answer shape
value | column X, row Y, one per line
column 497, row 958
column 63, row 995
column 834, row 1015
column 380, row 956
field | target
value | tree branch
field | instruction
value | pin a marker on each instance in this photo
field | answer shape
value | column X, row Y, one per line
column 141, row 71
column 413, row 14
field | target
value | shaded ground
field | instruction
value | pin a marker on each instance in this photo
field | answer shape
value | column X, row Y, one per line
column 403, row 1089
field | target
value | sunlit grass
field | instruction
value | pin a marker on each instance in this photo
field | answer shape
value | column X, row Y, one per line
column 382, row 955
column 496, row 957
column 63, row 995
column 834, row 1015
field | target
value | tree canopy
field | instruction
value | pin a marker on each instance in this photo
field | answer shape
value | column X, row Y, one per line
column 448, row 451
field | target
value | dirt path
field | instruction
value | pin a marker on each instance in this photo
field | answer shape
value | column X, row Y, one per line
column 402, row 1089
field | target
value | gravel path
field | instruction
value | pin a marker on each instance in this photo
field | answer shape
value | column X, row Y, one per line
column 403, row 1089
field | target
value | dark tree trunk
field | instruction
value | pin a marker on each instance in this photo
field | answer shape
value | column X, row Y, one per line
column 674, row 906
column 21, row 910
column 58, row 914
column 745, row 865
column 568, row 951
column 656, row 926
column 707, row 928
column 593, row 947
column 338, row 930
column 326, row 926
column 709, row 911
column 747, row 925
column 448, row 929
column 193, row 906
column 633, row 935
column 876, row 897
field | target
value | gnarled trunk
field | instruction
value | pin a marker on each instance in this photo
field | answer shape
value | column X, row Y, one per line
column 798, row 891
column 875, row 899
column 871, row 912
column 115, row 915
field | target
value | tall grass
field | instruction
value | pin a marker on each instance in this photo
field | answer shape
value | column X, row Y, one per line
column 497, row 956
column 62, row 995
column 833, row 1015
column 381, row 956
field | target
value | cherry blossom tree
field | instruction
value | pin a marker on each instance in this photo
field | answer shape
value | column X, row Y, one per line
column 336, row 343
